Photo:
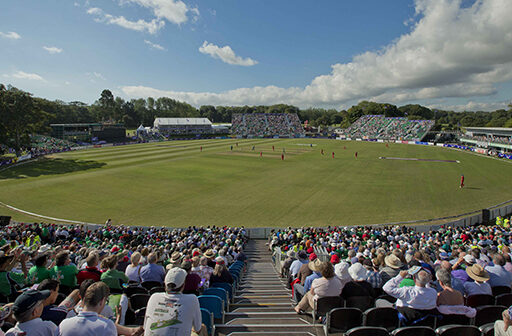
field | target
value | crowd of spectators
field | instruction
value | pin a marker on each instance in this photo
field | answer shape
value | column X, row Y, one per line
column 435, row 274
column 388, row 128
column 489, row 138
column 40, row 145
column 267, row 124
column 74, row 280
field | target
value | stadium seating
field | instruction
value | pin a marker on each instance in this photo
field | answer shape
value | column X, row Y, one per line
column 267, row 125
column 385, row 317
column 387, row 128
column 457, row 330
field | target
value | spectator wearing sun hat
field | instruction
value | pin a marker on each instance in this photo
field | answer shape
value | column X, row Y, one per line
column 341, row 271
column 27, row 310
column 392, row 267
column 210, row 255
column 479, row 285
column 458, row 268
column 175, row 260
column 299, row 289
column 359, row 286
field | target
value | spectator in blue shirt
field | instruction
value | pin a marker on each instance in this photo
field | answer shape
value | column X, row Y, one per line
column 152, row 271
column 499, row 275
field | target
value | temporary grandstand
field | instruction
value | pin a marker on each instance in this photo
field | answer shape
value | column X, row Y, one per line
column 267, row 125
column 379, row 127
column 172, row 126
column 497, row 138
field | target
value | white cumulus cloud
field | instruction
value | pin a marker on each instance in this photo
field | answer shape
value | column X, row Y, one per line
column 171, row 10
column 452, row 50
column 154, row 45
column 140, row 25
column 10, row 35
column 225, row 54
column 25, row 75
column 53, row 50
column 472, row 106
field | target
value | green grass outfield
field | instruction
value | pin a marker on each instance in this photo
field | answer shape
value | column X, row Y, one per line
column 174, row 184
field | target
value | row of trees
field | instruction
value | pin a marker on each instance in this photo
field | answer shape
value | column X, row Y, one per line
column 22, row 114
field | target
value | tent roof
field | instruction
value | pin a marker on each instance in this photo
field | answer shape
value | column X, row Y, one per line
column 182, row 121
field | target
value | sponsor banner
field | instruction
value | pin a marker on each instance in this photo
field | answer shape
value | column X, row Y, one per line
column 405, row 142
column 398, row 141
column 108, row 145
column 430, row 143
column 440, row 145
column 359, row 139
column 481, row 150
column 96, row 146
column 411, row 142
column 421, row 143
column 379, row 140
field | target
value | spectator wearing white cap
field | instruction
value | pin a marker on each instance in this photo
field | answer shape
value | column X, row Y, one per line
column 359, row 286
column 221, row 272
column 172, row 312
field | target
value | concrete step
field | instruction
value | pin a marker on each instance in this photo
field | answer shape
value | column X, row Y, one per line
column 263, row 309
column 269, row 333
column 261, row 287
column 263, row 292
column 263, row 296
column 289, row 329
column 264, row 300
column 248, row 304
column 275, row 321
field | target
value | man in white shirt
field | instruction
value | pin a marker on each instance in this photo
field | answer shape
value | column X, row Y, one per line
column 88, row 322
column 27, row 310
column 413, row 302
column 172, row 312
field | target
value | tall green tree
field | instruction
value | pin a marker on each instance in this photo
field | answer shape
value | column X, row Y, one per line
column 20, row 116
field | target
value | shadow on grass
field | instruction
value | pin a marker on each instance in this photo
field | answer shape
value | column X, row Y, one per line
column 473, row 188
column 49, row 166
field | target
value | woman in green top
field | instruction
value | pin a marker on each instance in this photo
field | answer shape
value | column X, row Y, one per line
column 64, row 270
column 39, row 272
column 112, row 277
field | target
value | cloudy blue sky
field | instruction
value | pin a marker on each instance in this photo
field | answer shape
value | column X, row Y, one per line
column 454, row 54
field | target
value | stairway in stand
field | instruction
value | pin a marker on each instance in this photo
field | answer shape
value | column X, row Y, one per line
column 262, row 303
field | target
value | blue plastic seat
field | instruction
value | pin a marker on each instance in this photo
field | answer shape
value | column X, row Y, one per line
column 220, row 292
column 228, row 287
column 214, row 305
column 208, row 321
